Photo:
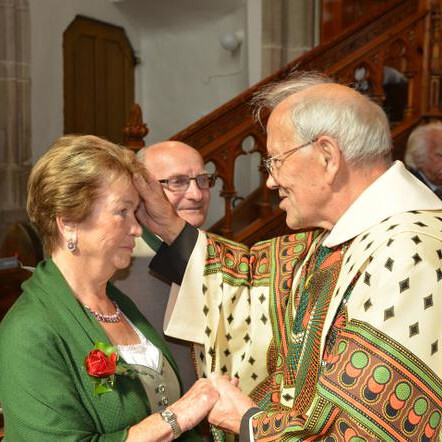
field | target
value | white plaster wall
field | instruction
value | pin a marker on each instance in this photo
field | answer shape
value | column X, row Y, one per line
column 49, row 19
column 184, row 72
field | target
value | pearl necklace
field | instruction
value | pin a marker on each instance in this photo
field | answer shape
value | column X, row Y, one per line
column 116, row 317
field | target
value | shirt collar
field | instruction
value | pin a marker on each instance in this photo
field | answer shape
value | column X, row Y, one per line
column 427, row 181
column 395, row 191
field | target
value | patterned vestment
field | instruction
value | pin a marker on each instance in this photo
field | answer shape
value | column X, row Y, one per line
column 380, row 363
column 335, row 335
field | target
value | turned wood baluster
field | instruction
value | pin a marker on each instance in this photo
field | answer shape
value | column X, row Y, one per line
column 135, row 130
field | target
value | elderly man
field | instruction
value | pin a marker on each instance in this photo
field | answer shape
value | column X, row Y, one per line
column 424, row 155
column 333, row 333
column 180, row 170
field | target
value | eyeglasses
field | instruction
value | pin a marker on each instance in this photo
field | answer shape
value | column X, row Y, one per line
column 274, row 163
column 182, row 182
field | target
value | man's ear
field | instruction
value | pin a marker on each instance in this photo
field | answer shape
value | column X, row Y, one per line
column 331, row 156
column 66, row 229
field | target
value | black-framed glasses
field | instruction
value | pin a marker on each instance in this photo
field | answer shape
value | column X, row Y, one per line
column 181, row 183
column 274, row 163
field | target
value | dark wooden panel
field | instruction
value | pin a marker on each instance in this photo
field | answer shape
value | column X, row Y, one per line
column 98, row 78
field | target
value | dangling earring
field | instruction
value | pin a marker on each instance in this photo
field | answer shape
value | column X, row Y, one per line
column 72, row 245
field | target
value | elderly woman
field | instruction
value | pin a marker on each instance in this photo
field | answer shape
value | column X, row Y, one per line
column 82, row 202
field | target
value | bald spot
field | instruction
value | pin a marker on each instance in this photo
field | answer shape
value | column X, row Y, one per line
column 170, row 158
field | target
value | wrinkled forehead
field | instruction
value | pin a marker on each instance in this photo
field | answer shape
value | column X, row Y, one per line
column 280, row 129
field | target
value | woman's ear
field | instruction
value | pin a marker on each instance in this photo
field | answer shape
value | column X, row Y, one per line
column 67, row 230
column 331, row 156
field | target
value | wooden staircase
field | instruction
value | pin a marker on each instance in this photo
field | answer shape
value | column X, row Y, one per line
column 402, row 39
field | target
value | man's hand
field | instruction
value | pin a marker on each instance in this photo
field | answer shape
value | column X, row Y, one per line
column 231, row 406
column 155, row 211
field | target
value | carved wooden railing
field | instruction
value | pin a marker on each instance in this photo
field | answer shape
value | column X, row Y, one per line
column 403, row 38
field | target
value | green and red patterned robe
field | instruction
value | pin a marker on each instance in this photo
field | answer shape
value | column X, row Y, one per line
column 341, row 343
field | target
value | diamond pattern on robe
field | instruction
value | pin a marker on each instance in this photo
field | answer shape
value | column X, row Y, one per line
column 439, row 253
column 414, row 329
column 416, row 258
column 420, row 224
column 389, row 313
column 351, row 268
column 207, row 331
column 404, row 285
column 204, row 289
column 227, row 352
column 428, row 301
column 364, row 237
column 393, row 226
column 211, row 352
column 202, row 356
column 243, row 356
column 439, row 218
column 228, row 336
column 220, row 306
column 288, row 397
column 416, row 239
column 367, row 304
column 230, row 318
column 246, row 337
column 264, row 319
column 224, row 369
column 434, row 347
column 439, row 274
column 348, row 259
column 205, row 310
column 389, row 264
column 368, row 245
column 390, row 242
column 367, row 277
column 233, row 299
column 251, row 360
column 262, row 298
column 254, row 376
column 248, row 320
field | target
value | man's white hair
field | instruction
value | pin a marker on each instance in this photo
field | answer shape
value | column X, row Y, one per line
column 419, row 141
column 358, row 124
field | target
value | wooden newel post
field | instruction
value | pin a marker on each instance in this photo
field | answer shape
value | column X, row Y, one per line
column 135, row 129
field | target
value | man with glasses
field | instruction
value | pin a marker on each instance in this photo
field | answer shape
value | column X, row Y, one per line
column 333, row 332
column 180, row 170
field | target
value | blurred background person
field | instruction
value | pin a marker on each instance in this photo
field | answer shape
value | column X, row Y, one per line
column 424, row 155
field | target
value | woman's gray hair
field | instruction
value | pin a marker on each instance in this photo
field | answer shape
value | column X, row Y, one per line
column 358, row 124
column 418, row 143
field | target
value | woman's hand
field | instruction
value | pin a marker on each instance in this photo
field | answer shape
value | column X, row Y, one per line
column 196, row 404
column 190, row 410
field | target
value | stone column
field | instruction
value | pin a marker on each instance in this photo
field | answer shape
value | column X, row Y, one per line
column 15, row 111
column 288, row 31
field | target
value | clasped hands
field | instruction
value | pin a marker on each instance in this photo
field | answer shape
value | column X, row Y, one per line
column 231, row 405
column 218, row 398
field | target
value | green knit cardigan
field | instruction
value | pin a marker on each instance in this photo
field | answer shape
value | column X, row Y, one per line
column 45, row 392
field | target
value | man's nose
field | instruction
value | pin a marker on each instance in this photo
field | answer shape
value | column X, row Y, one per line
column 193, row 191
column 271, row 183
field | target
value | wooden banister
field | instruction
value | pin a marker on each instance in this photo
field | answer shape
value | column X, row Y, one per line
column 403, row 37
